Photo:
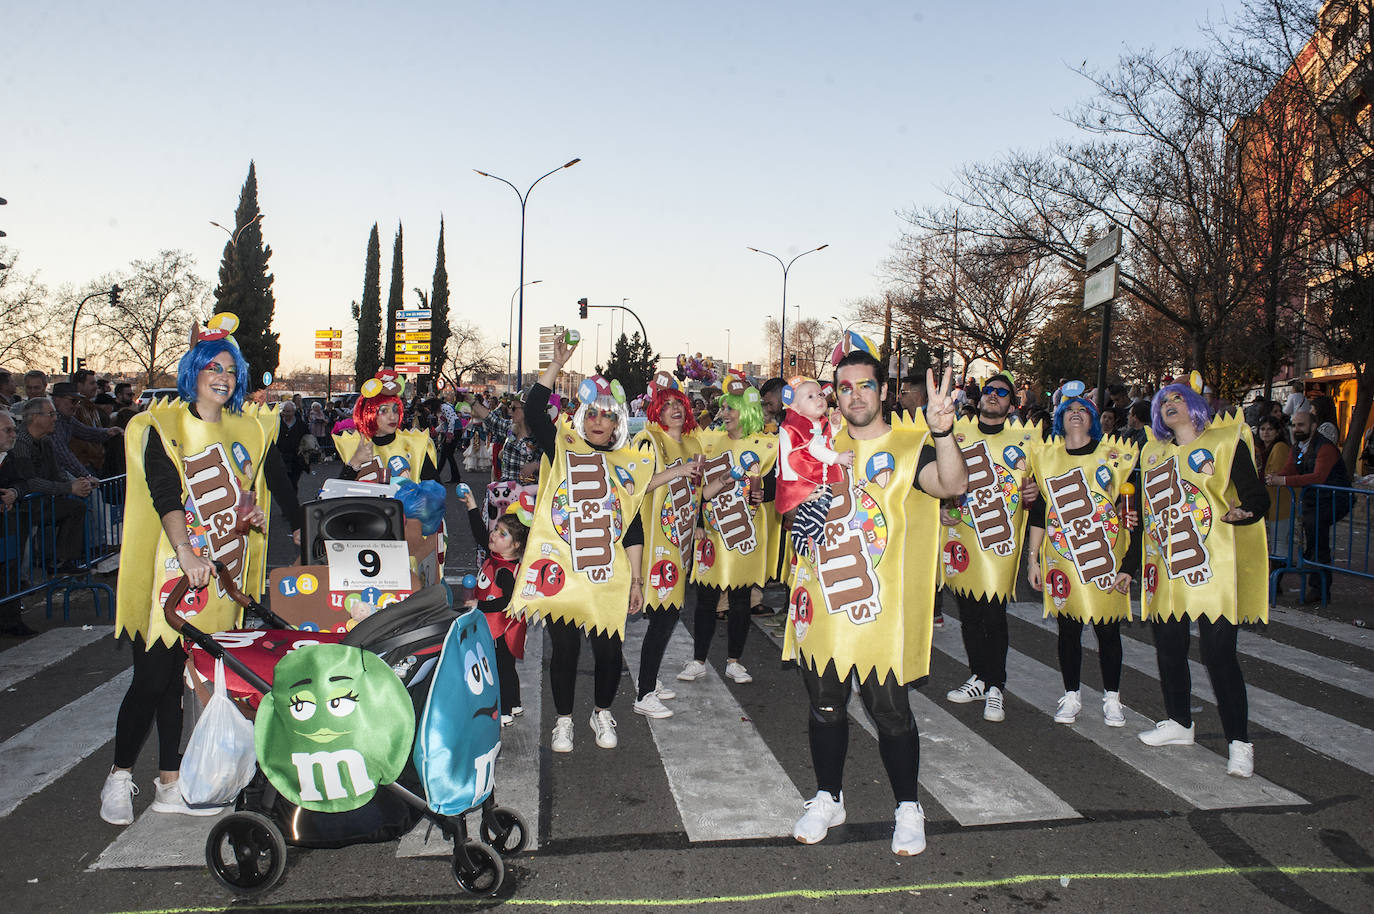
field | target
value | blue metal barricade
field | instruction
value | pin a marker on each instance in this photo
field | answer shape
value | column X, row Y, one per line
column 1327, row 532
column 53, row 544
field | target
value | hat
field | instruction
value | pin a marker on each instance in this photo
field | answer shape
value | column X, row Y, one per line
column 105, row 400
column 64, row 389
column 220, row 326
column 735, row 383
column 387, row 382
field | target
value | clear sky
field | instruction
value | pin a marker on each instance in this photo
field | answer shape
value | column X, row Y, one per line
column 703, row 128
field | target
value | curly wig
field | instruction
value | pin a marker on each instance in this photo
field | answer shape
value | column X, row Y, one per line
column 1057, row 427
column 365, row 413
column 607, row 404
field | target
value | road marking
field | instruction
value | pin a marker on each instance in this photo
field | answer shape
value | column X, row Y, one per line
column 1193, row 773
column 517, row 768
column 1321, row 732
column 1343, row 632
column 707, row 747
column 807, row 894
column 158, row 840
column 41, row 753
column 38, row 653
column 974, row 782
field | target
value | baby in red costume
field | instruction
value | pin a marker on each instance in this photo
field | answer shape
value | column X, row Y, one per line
column 805, row 456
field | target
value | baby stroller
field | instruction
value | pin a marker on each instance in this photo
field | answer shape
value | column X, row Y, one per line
column 246, row 849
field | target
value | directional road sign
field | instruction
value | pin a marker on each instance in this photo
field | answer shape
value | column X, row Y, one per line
column 412, row 337
column 413, row 325
column 1104, row 250
column 417, row 314
column 1100, row 287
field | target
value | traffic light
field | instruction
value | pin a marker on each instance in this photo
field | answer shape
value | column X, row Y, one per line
column 582, row 308
column 81, row 363
column 114, row 295
column 792, row 360
column 65, row 369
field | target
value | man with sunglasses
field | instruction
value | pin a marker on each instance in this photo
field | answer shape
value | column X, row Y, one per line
column 983, row 538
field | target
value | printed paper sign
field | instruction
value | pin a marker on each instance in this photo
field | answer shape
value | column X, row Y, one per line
column 361, row 564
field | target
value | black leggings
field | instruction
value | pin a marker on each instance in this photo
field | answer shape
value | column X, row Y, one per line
column 1217, row 645
column 662, row 621
column 507, row 676
column 567, row 644
column 154, row 694
column 828, row 728
column 736, row 621
column 983, row 625
column 1108, row 653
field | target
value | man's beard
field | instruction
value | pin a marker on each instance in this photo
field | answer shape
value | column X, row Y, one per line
column 1301, row 436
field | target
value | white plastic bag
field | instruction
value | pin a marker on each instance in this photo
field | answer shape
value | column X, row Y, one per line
column 219, row 759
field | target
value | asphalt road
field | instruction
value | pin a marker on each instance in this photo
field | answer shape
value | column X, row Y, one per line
column 693, row 813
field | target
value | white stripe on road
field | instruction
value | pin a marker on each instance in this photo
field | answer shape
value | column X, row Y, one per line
column 1343, row 632
column 1321, row 732
column 707, row 747
column 41, row 753
column 517, row 767
column 1193, row 773
column 159, row 840
column 972, row 780
column 32, row 656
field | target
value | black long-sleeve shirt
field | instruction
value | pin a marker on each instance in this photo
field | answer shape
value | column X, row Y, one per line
column 545, row 434
column 164, row 482
column 505, row 578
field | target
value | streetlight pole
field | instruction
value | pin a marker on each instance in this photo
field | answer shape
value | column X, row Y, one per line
column 524, row 199
column 782, row 342
column 113, row 292
column 234, row 236
column 510, row 318
column 728, row 363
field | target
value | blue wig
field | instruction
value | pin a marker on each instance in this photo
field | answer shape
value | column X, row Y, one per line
column 1057, row 427
column 1197, row 410
column 200, row 355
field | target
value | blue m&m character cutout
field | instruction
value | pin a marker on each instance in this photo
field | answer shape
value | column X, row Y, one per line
column 463, row 490
column 398, row 465
column 1104, row 478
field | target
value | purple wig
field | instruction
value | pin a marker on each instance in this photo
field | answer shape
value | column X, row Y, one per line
column 1197, row 410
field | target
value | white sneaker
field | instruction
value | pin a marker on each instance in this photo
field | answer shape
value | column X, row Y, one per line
column 823, row 812
column 972, row 690
column 117, row 798
column 517, row 711
column 562, row 735
column 993, row 709
column 1168, row 733
column 1242, row 761
column 736, row 671
column 1068, row 709
column 650, row 706
column 507, row 719
column 693, row 671
column 1112, row 715
column 909, row 834
column 663, row 692
column 168, row 798
column 603, row 725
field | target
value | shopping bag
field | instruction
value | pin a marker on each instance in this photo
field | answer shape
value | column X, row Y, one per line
column 219, row 759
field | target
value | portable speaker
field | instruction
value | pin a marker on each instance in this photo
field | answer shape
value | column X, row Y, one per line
column 355, row 518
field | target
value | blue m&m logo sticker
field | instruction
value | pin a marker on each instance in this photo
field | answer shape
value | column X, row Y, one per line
column 240, row 454
column 1104, row 478
column 398, row 465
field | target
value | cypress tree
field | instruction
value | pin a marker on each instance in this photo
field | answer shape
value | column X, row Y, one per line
column 245, row 286
column 394, row 302
column 438, row 303
column 369, row 357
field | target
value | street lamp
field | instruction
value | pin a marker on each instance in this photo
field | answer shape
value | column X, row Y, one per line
column 234, row 236
column 510, row 318
column 782, row 342
column 728, row 363
column 524, row 198
column 113, row 292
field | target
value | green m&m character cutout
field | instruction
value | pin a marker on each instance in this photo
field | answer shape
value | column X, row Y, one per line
column 336, row 725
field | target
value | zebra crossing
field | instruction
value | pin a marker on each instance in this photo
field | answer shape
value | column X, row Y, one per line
column 729, row 778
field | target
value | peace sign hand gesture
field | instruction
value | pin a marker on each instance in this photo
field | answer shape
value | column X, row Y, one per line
column 940, row 405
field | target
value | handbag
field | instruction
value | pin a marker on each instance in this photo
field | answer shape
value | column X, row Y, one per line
column 219, row 759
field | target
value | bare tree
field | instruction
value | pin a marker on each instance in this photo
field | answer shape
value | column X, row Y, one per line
column 469, row 354
column 1317, row 58
column 162, row 300
column 25, row 316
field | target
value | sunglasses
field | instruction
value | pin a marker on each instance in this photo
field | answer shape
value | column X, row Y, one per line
column 997, row 391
